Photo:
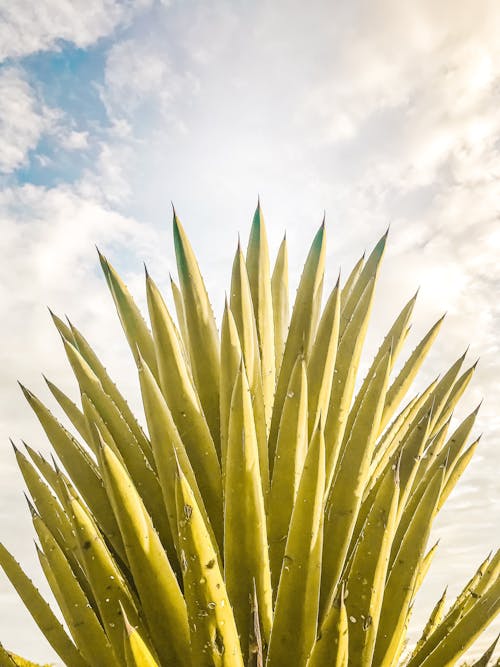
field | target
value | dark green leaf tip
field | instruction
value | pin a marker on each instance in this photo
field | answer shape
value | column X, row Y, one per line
column 31, row 507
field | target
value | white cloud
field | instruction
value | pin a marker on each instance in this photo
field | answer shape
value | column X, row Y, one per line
column 27, row 27
column 135, row 73
column 141, row 84
column 73, row 140
column 23, row 119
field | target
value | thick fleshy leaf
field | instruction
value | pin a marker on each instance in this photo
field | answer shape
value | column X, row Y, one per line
column 80, row 468
column 111, row 390
column 302, row 327
column 170, row 454
column 486, row 573
column 346, row 367
column 6, row 660
column 246, row 557
column 134, row 326
column 259, row 276
column 395, row 433
column 435, row 618
column 321, row 365
column 54, row 517
column 281, row 315
column 80, row 618
column 41, row 612
column 332, row 644
column 243, row 312
column 137, row 653
column 403, row 381
column 392, row 343
column 203, row 340
column 351, row 280
column 485, row 658
column 144, row 477
column 214, row 637
column 107, row 581
column 161, row 598
column 297, row 602
column 468, row 628
column 398, row 590
column 346, row 493
column 368, row 272
column 455, row 395
column 73, row 412
column 230, row 359
column 183, row 402
column 368, row 569
column 287, row 470
column 181, row 317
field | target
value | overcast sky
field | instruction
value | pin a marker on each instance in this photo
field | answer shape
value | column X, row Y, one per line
column 378, row 112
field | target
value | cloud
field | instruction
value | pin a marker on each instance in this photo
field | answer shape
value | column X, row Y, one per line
column 74, row 140
column 23, row 119
column 27, row 27
column 143, row 87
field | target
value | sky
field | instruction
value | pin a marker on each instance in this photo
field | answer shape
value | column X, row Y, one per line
column 378, row 112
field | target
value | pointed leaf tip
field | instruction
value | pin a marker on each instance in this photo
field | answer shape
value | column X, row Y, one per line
column 31, row 507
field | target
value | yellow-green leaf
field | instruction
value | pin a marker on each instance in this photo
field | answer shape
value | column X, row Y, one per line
column 246, row 557
column 161, row 599
column 203, row 340
column 281, row 315
column 214, row 637
column 259, row 277
column 296, row 611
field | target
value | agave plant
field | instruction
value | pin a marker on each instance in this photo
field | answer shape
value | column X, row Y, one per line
column 270, row 515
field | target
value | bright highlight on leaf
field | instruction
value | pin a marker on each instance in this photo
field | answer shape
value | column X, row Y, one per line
column 267, row 513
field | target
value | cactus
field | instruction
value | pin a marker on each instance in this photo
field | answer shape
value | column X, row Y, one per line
column 269, row 514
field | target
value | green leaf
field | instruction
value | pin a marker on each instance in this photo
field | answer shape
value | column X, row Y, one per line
column 368, row 569
column 80, row 618
column 321, row 365
column 214, row 637
column 346, row 492
column 287, row 470
column 332, row 644
column 398, row 590
column 134, row 326
column 202, row 330
column 246, row 557
column 302, row 327
column 161, row 599
column 259, row 277
column 281, row 315
column 41, row 612
column 296, row 611
column 184, row 403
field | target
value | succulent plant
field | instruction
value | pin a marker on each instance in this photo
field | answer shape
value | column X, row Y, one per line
column 270, row 514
